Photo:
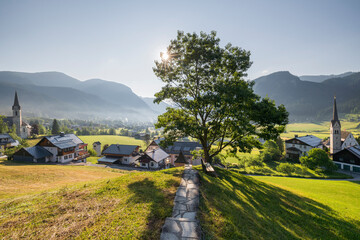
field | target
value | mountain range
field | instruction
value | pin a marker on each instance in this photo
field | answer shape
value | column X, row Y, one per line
column 57, row 95
column 311, row 100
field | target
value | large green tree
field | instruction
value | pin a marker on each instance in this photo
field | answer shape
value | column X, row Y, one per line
column 55, row 127
column 213, row 102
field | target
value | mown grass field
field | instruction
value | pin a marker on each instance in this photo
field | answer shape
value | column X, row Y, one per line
column 320, row 130
column 235, row 206
column 130, row 206
column 19, row 179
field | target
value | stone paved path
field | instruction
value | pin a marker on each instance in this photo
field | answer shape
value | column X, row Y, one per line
column 183, row 223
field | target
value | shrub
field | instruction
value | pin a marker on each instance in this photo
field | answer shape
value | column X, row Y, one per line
column 271, row 152
column 286, row 168
column 254, row 162
column 92, row 152
column 318, row 158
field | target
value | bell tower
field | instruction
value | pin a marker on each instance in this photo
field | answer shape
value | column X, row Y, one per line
column 335, row 131
column 17, row 120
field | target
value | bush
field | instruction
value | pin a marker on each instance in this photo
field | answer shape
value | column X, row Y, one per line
column 318, row 158
column 286, row 168
column 271, row 152
column 254, row 162
column 92, row 152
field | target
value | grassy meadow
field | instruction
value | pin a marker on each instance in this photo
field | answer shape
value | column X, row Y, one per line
column 235, row 206
column 17, row 179
column 131, row 205
column 320, row 130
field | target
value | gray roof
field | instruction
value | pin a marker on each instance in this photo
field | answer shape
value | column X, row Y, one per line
column 157, row 155
column 64, row 141
column 38, row 152
column 354, row 150
column 185, row 147
column 7, row 136
column 310, row 140
column 120, row 149
column 108, row 159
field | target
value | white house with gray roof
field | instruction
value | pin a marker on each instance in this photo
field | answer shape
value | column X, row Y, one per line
column 300, row 146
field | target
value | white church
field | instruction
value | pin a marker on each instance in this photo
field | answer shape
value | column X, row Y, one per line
column 23, row 129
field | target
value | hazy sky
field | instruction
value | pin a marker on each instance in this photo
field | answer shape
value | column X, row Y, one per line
column 119, row 40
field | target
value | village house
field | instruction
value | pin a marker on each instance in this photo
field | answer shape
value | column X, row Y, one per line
column 181, row 160
column 23, row 129
column 300, row 146
column 62, row 148
column 6, row 141
column 123, row 154
column 174, row 150
column 154, row 159
column 97, row 148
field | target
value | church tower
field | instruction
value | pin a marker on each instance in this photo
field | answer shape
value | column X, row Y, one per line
column 17, row 120
column 335, row 131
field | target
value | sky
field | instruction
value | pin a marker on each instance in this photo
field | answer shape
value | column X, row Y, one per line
column 119, row 40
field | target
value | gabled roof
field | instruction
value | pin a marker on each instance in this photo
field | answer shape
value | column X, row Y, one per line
column 344, row 134
column 118, row 149
column 157, row 154
column 181, row 158
column 185, row 147
column 38, row 152
column 7, row 136
column 64, row 140
column 354, row 150
column 310, row 140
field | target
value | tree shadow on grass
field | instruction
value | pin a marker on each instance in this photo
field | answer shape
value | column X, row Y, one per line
column 238, row 207
column 160, row 200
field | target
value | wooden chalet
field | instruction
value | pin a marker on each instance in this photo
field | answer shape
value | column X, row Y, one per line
column 64, row 148
column 348, row 158
column 181, row 160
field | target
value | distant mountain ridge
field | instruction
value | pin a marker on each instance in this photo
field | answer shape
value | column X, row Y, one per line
column 308, row 101
column 321, row 78
column 55, row 94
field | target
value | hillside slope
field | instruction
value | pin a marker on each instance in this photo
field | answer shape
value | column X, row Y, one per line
column 235, row 206
column 132, row 206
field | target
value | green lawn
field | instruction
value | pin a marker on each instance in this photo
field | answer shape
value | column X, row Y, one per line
column 132, row 206
column 342, row 196
column 111, row 139
column 320, row 130
column 235, row 206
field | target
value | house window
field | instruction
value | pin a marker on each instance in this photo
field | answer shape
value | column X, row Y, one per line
column 65, row 157
column 143, row 164
column 151, row 164
column 352, row 161
column 341, row 159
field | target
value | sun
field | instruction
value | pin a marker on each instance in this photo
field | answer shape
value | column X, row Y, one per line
column 164, row 56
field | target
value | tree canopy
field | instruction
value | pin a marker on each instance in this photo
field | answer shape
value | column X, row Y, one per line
column 213, row 101
column 55, row 127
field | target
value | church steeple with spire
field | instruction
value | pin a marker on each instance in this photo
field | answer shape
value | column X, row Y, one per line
column 17, row 119
column 335, row 131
